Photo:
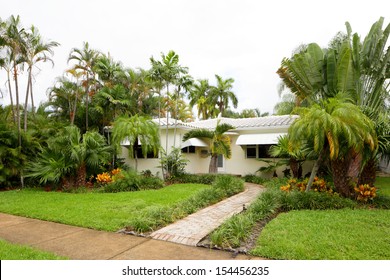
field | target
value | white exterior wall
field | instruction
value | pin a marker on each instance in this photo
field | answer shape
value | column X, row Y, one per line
column 199, row 163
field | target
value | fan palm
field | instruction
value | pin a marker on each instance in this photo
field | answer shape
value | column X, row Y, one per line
column 69, row 156
column 219, row 142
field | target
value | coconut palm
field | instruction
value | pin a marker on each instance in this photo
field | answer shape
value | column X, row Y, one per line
column 221, row 94
column 136, row 131
column 219, row 142
column 338, row 129
column 69, row 156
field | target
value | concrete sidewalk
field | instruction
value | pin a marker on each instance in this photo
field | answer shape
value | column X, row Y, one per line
column 87, row 244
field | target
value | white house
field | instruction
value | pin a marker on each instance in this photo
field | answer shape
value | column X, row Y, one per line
column 250, row 141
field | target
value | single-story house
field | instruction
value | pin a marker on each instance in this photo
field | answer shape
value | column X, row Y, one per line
column 250, row 141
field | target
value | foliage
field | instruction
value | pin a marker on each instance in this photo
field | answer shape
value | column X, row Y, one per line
column 126, row 181
column 252, row 178
column 150, row 183
column 69, row 156
column 365, row 192
column 319, row 185
column 207, row 179
column 174, row 163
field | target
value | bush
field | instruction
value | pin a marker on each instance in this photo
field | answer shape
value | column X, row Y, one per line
column 251, row 178
column 296, row 200
column 150, row 183
column 207, row 179
column 319, row 185
column 229, row 185
column 128, row 181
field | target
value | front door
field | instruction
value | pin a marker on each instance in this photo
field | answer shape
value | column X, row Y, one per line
column 221, row 164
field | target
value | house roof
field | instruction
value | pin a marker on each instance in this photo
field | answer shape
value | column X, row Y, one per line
column 239, row 124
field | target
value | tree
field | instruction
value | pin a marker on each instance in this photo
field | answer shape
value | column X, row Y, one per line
column 221, row 94
column 36, row 51
column 200, row 96
column 137, row 131
column 219, row 142
column 85, row 61
column 69, row 156
column 339, row 130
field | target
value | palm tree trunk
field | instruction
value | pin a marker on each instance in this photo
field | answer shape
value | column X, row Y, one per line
column 368, row 174
column 294, row 166
column 86, row 102
column 314, row 170
column 10, row 96
column 213, row 168
column 31, row 92
column 18, row 117
column 341, row 180
column 81, row 175
column 25, row 104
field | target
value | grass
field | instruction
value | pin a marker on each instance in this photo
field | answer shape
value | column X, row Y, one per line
column 102, row 211
column 383, row 185
column 9, row 251
column 328, row 234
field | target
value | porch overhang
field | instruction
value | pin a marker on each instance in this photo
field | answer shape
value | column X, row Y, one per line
column 194, row 142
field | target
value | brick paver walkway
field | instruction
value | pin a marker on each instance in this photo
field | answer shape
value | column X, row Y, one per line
column 193, row 228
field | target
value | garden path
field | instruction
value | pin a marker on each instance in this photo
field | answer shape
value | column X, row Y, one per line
column 193, row 228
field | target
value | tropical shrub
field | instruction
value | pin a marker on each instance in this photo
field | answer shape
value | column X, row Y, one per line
column 319, row 185
column 252, row 178
column 128, row 181
column 206, row 179
column 228, row 185
column 365, row 192
column 150, row 183
column 173, row 163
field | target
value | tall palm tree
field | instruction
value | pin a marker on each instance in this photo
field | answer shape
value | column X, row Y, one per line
column 85, row 60
column 339, row 130
column 36, row 51
column 136, row 130
column 222, row 94
column 219, row 142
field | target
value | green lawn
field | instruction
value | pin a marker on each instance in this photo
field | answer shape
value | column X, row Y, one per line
column 102, row 211
column 383, row 185
column 9, row 251
column 327, row 234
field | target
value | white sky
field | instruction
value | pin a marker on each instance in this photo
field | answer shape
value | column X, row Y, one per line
column 242, row 39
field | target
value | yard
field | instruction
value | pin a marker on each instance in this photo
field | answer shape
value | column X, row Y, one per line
column 352, row 234
column 102, row 211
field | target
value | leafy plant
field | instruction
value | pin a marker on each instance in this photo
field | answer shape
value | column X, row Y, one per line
column 174, row 163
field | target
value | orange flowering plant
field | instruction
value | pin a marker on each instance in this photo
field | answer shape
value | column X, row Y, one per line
column 108, row 177
column 319, row 185
column 365, row 192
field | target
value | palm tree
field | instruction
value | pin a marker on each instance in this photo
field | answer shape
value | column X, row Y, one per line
column 339, row 130
column 136, row 130
column 199, row 96
column 36, row 51
column 219, row 142
column 85, row 60
column 221, row 94
column 69, row 156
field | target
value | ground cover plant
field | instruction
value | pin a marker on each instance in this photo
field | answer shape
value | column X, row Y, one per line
column 102, row 211
column 9, row 251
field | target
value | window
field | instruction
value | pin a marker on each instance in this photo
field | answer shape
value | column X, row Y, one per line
column 188, row 150
column 251, row 152
column 138, row 152
column 258, row 151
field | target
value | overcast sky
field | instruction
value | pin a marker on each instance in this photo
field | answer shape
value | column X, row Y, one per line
column 242, row 39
